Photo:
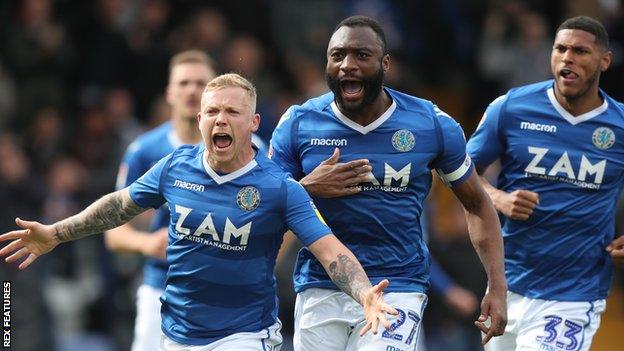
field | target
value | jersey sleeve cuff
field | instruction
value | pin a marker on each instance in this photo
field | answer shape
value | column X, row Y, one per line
column 137, row 198
column 459, row 175
column 314, row 238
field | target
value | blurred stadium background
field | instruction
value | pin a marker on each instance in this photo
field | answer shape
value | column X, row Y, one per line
column 80, row 79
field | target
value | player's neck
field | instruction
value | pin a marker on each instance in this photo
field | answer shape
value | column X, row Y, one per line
column 187, row 130
column 240, row 160
column 582, row 104
column 371, row 113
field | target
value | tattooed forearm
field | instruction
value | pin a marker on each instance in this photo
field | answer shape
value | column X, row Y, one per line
column 349, row 276
column 106, row 213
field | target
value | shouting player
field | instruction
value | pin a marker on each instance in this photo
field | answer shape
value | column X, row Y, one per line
column 365, row 153
column 229, row 207
column 561, row 145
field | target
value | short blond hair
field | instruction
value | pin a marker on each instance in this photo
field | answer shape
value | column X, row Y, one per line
column 233, row 80
column 191, row 56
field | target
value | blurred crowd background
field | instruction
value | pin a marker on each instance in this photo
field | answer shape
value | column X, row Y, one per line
column 80, row 79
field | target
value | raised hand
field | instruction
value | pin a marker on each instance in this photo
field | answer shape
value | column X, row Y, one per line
column 375, row 308
column 518, row 205
column 493, row 307
column 333, row 179
column 34, row 240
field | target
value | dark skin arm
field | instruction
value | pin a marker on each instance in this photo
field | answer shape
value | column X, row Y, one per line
column 517, row 205
column 334, row 179
column 484, row 230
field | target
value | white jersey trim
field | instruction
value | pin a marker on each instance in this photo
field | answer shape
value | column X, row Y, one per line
column 580, row 118
column 363, row 129
column 230, row 176
column 456, row 174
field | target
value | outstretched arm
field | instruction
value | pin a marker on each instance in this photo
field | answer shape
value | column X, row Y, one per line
column 106, row 213
column 349, row 276
column 36, row 239
column 484, row 229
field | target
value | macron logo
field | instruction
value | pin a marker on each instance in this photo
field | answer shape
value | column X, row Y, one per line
column 188, row 186
column 328, row 142
column 539, row 127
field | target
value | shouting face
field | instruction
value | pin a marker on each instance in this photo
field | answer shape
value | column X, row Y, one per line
column 226, row 122
column 355, row 67
column 576, row 63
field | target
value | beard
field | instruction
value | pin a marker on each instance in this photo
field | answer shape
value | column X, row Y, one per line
column 372, row 86
column 591, row 81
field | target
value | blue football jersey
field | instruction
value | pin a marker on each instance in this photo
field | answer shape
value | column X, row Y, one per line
column 224, row 235
column 381, row 224
column 576, row 165
column 140, row 156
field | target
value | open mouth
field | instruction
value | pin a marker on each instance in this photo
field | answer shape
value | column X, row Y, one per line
column 221, row 141
column 568, row 74
column 351, row 89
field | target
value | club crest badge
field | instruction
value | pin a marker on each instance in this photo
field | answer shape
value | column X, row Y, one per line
column 403, row 140
column 603, row 138
column 248, row 198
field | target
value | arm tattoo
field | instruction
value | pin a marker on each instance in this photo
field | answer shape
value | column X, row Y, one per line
column 106, row 213
column 349, row 276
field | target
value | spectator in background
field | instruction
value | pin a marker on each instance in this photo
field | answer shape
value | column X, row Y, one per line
column 151, row 51
column 22, row 191
column 206, row 30
column 106, row 59
column 515, row 57
column 245, row 55
column 74, row 285
column 119, row 108
column 301, row 28
column 8, row 96
column 97, row 147
column 47, row 137
column 39, row 55
column 20, row 187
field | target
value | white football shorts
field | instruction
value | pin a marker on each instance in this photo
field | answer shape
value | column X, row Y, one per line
column 545, row 325
column 147, row 323
column 331, row 320
column 268, row 339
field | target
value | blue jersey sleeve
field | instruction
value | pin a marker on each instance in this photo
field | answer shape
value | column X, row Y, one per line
column 132, row 166
column 283, row 145
column 485, row 146
column 452, row 164
column 302, row 216
column 146, row 191
column 440, row 281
